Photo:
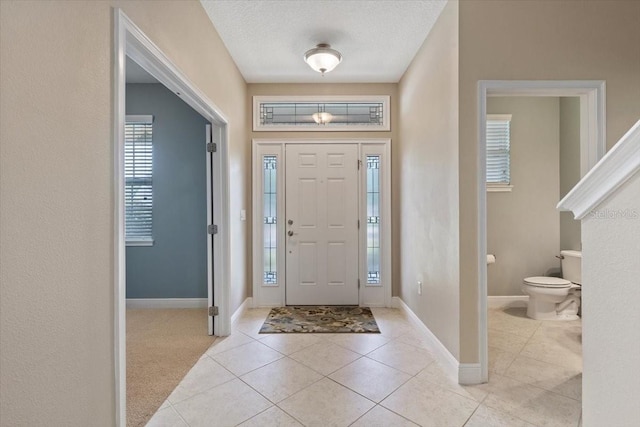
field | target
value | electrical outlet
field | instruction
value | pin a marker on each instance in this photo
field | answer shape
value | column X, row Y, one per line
column 419, row 287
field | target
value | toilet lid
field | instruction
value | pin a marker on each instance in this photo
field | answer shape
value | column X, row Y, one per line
column 547, row 282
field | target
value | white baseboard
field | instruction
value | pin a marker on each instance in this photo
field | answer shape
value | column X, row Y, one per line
column 446, row 359
column 507, row 301
column 466, row 373
column 247, row 303
column 166, row 303
column 469, row 373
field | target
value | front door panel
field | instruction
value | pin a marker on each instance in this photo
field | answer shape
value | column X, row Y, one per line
column 322, row 224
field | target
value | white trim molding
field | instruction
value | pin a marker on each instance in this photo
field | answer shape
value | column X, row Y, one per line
column 246, row 304
column 443, row 355
column 465, row 373
column 469, row 374
column 499, row 188
column 592, row 149
column 166, row 303
column 129, row 40
column 613, row 170
column 139, row 242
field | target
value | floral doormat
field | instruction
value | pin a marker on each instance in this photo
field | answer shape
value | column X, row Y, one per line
column 320, row 319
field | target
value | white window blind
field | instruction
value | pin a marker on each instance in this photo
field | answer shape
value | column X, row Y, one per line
column 138, row 173
column 498, row 141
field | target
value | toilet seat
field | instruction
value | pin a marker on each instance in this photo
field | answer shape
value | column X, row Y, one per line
column 547, row 282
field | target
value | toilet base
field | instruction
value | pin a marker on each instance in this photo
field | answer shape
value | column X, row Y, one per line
column 552, row 304
column 566, row 317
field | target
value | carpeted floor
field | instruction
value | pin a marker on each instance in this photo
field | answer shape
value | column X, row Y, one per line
column 162, row 345
column 320, row 319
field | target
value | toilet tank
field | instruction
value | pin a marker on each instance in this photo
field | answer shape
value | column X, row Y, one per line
column 572, row 266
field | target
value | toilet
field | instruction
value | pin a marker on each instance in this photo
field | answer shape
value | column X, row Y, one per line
column 553, row 298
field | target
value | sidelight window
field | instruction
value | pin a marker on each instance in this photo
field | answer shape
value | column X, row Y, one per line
column 270, row 210
column 373, row 220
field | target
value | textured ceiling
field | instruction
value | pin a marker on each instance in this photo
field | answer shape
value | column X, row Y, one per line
column 377, row 39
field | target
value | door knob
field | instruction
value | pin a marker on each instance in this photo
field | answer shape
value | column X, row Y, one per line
column 290, row 233
column 290, row 222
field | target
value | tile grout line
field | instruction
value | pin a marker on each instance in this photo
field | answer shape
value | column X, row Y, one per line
column 519, row 354
column 202, row 391
column 378, row 405
column 472, row 414
column 179, row 414
column 291, row 415
column 523, row 347
column 276, row 403
column 395, row 340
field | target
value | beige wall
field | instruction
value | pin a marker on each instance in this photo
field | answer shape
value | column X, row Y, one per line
column 523, row 226
column 320, row 89
column 610, row 345
column 56, row 205
column 427, row 181
column 505, row 40
column 570, row 236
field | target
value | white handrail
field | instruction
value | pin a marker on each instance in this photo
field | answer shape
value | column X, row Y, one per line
column 614, row 169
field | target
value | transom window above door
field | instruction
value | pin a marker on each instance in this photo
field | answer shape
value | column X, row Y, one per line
column 321, row 113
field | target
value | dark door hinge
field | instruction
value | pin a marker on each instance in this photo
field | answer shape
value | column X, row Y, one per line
column 212, row 147
column 212, row 229
column 213, row 311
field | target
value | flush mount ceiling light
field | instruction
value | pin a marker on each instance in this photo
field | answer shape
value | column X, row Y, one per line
column 322, row 58
column 322, row 118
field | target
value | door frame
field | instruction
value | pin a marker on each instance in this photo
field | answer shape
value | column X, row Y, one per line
column 592, row 149
column 275, row 296
column 130, row 41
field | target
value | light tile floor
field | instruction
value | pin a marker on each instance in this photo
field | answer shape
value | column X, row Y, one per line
column 387, row 379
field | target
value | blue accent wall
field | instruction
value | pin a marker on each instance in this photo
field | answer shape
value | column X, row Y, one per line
column 176, row 265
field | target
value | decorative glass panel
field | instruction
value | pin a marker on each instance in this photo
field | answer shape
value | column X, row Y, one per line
column 270, row 197
column 321, row 113
column 373, row 220
column 304, row 113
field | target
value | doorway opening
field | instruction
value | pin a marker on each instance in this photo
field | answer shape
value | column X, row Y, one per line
column 591, row 96
column 322, row 229
column 130, row 41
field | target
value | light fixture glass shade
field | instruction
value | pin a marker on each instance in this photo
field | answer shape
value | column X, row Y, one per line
column 322, row 58
column 322, row 118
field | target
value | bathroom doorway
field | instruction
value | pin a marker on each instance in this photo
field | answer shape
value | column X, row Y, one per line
column 533, row 160
column 592, row 148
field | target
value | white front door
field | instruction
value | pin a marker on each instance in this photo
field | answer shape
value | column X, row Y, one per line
column 322, row 224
